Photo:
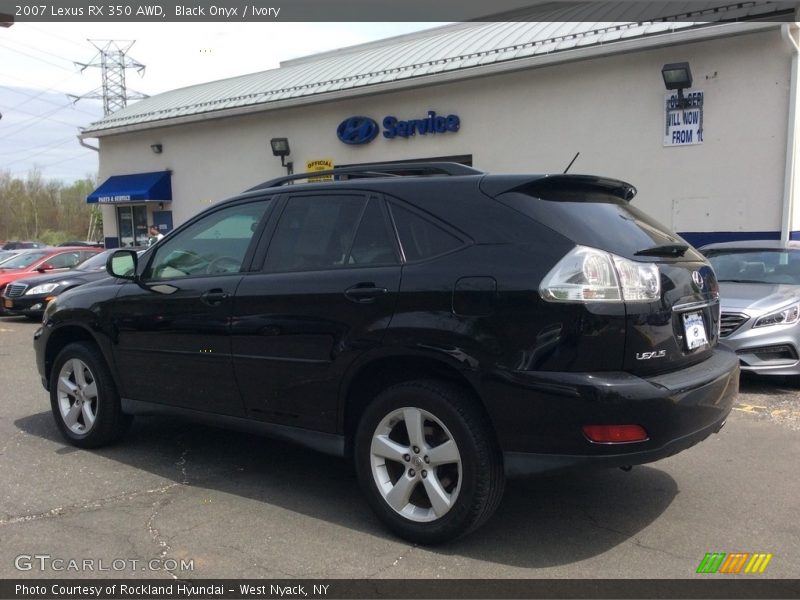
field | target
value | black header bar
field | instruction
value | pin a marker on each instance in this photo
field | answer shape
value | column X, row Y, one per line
column 231, row 11
column 704, row 586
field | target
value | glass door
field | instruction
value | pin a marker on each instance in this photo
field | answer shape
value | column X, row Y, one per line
column 132, row 224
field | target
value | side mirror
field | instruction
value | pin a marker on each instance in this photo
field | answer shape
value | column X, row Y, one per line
column 45, row 267
column 122, row 264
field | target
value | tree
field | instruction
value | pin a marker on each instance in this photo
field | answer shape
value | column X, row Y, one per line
column 37, row 209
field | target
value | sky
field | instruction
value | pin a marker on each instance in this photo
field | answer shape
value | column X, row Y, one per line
column 40, row 121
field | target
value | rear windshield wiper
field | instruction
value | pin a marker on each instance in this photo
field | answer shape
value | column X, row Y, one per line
column 664, row 250
column 740, row 281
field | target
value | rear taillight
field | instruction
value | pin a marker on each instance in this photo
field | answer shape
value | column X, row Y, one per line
column 614, row 434
column 590, row 275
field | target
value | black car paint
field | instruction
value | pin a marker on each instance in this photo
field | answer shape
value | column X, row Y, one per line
column 286, row 350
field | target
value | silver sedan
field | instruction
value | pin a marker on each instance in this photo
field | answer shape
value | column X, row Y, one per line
column 760, row 296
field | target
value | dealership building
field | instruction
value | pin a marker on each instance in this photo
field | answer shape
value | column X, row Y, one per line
column 715, row 162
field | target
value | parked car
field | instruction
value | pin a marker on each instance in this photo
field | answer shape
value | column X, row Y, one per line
column 760, row 295
column 77, row 243
column 444, row 331
column 7, row 254
column 29, row 296
column 31, row 262
column 22, row 245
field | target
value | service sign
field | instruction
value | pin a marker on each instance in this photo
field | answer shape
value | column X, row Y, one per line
column 112, row 199
column 321, row 164
column 359, row 129
column 683, row 126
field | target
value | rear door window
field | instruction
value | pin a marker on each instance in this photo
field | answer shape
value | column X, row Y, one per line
column 420, row 238
column 67, row 260
column 315, row 232
column 374, row 243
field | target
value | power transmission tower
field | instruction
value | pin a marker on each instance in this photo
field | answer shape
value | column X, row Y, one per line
column 112, row 58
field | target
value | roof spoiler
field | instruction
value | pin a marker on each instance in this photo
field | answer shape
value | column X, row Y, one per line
column 548, row 186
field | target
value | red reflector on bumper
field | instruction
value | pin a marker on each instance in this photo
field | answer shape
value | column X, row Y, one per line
column 614, row 434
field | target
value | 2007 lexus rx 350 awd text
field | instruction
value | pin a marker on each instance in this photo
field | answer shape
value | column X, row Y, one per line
column 445, row 328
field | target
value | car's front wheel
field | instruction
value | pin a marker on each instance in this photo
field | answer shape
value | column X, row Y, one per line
column 427, row 461
column 84, row 399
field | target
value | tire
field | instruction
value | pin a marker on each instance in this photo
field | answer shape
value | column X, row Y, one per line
column 450, row 484
column 84, row 399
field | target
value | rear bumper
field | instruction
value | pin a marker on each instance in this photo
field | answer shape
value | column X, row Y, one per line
column 520, row 464
column 539, row 416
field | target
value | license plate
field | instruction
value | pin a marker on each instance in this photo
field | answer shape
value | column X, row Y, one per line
column 695, row 330
column 8, row 303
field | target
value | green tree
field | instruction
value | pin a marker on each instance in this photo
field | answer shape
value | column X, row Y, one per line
column 45, row 210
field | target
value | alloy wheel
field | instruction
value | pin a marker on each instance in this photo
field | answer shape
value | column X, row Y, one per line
column 416, row 464
column 77, row 396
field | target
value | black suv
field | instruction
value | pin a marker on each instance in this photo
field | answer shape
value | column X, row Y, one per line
column 445, row 331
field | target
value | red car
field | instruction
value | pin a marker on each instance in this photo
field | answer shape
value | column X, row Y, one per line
column 43, row 260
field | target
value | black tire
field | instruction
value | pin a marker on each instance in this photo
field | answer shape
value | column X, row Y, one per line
column 480, row 481
column 37, row 317
column 109, row 423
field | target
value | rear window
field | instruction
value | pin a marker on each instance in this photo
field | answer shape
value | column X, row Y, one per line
column 755, row 265
column 96, row 262
column 24, row 260
column 598, row 219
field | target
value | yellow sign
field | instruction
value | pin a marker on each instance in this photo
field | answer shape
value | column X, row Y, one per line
column 322, row 164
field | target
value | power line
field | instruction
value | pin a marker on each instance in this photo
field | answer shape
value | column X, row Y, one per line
column 53, row 34
column 17, row 148
column 58, row 162
column 34, row 57
column 30, row 122
column 37, row 49
column 16, row 108
column 24, row 158
column 15, row 90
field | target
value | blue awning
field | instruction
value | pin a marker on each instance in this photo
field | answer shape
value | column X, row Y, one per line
column 138, row 187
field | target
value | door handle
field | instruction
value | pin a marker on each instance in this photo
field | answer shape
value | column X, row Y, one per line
column 214, row 297
column 364, row 292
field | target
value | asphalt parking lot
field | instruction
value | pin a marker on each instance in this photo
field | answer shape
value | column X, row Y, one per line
column 232, row 505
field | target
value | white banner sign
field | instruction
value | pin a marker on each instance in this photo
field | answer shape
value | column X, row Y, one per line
column 683, row 126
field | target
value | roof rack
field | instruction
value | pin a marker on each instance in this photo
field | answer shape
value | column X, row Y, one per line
column 399, row 169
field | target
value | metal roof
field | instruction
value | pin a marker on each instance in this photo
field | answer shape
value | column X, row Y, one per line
column 466, row 49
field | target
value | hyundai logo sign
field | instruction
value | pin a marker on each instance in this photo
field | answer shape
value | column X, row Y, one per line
column 362, row 130
column 357, row 130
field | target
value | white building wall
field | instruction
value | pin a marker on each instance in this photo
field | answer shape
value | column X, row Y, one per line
column 610, row 109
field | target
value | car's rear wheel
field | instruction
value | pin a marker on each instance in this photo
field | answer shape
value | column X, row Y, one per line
column 428, row 462
column 84, row 399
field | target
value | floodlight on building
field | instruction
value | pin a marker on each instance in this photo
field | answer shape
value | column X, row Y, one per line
column 677, row 76
column 280, row 147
